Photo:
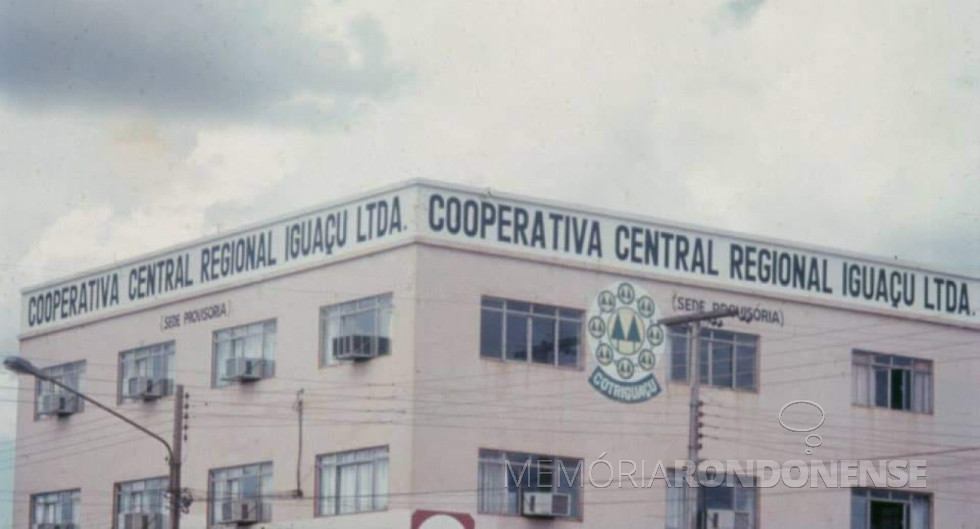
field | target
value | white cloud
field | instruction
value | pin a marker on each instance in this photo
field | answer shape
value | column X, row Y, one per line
column 848, row 124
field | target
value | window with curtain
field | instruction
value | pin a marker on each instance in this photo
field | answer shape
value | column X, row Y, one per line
column 885, row 509
column 254, row 340
column 353, row 481
column 734, row 497
column 145, row 496
column 56, row 507
column 891, row 381
column 68, row 374
column 503, row 476
column 152, row 361
column 362, row 325
column 229, row 485
column 529, row 332
column 726, row 359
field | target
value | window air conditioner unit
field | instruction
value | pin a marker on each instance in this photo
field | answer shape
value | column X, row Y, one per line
column 56, row 403
column 546, row 504
column 725, row 519
column 356, row 347
column 139, row 520
column 241, row 512
column 147, row 388
column 244, row 369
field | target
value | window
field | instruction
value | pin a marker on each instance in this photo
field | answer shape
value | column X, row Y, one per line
column 504, row 476
column 146, row 497
column 359, row 328
column 255, row 341
column 56, row 507
column 528, row 332
column 69, row 375
column 154, row 362
column 888, row 509
column 732, row 503
column 230, row 488
column 891, row 381
column 354, row 481
column 727, row 359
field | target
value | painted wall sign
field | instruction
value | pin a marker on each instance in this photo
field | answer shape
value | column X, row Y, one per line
column 758, row 313
column 211, row 311
column 626, row 343
column 442, row 213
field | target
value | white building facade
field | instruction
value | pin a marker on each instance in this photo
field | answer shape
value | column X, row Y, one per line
column 429, row 349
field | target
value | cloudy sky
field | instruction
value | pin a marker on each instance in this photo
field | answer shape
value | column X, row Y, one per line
column 126, row 128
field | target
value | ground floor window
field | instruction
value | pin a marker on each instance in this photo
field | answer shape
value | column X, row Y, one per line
column 730, row 501
column 56, row 508
column 237, row 494
column 890, row 509
column 353, row 481
column 503, row 478
column 143, row 499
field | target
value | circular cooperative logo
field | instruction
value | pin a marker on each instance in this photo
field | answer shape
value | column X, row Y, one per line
column 626, row 343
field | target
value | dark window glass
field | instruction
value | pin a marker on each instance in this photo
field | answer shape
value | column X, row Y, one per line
column 678, row 355
column 881, row 386
column 491, row 333
column 543, row 340
column 568, row 346
column 721, row 364
column 522, row 331
column 703, row 365
column 722, row 497
column 745, row 366
column 516, row 337
column 493, row 302
column 900, row 382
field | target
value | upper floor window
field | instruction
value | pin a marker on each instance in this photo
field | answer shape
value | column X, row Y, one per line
column 354, row 481
column 237, row 494
column 52, row 400
column 147, row 372
column 529, row 332
column 142, row 500
column 727, row 359
column 245, row 353
column 57, row 508
column 356, row 329
column 891, row 381
column 885, row 509
column 732, row 502
column 528, row 484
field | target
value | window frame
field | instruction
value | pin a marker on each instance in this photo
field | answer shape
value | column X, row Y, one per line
column 117, row 492
column 325, row 357
column 484, row 455
column 674, row 473
column 320, row 501
column 217, row 370
column 169, row 353
column 557, row 318
column 871, row 361
column 78, row 367
column 265, row 469
column 884, row 495
column 708, row 339
column 76, row 499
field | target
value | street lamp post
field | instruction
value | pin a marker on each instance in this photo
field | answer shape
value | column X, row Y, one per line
column 22, row 366
column 695, row 501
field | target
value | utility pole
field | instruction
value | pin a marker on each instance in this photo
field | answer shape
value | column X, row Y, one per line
column 298, row 406
column 694, row 498
column 177, row 457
